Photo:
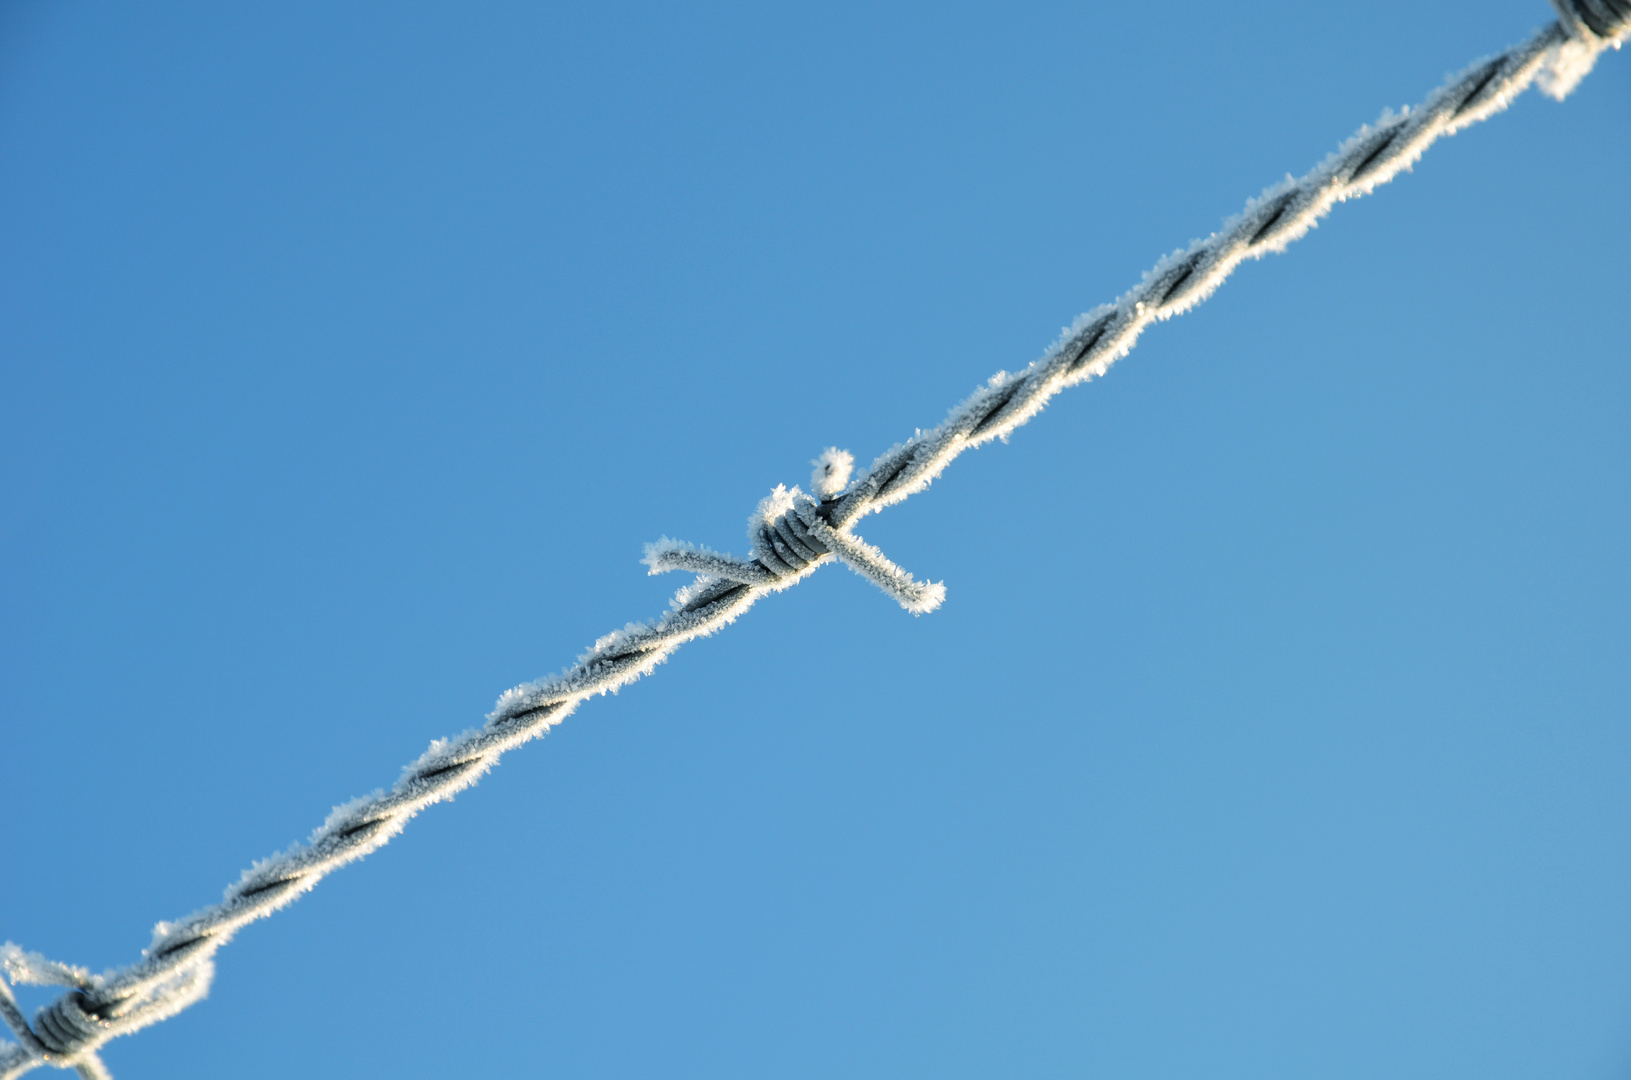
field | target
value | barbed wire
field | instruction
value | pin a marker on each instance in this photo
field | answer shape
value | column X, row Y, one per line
column 792, row 533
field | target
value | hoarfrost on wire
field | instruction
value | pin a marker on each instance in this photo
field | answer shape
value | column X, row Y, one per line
column 790, row 534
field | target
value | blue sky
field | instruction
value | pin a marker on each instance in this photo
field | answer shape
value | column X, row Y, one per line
column 1275, row 724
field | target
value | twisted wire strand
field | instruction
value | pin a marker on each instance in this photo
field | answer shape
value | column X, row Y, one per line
column 792, row 534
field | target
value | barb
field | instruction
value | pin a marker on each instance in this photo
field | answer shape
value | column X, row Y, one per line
column 791, row 535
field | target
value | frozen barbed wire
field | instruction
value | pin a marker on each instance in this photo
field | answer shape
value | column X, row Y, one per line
column 791, row 534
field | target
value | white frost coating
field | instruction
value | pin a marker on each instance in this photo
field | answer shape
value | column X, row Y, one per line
column 832, row 471
column 666, row 554
column 1570, row 61
column 24, row 968
column 919, row 598
column 792, row 535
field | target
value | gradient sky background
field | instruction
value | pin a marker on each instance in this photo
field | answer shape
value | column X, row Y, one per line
column 1276, row 724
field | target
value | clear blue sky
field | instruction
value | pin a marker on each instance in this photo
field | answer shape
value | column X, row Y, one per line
column 1278, row 720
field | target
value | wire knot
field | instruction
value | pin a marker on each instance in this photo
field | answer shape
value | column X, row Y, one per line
column 64, row 1028
column 783, row 533
column 791, row 534
column 64, row 1033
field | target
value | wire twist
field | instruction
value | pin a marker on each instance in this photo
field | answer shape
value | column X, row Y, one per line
column 791, row 535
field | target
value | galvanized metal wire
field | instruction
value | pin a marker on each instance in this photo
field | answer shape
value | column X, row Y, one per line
column 792, row 535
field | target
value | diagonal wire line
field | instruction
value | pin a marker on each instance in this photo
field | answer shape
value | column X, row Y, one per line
column 792, row 534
